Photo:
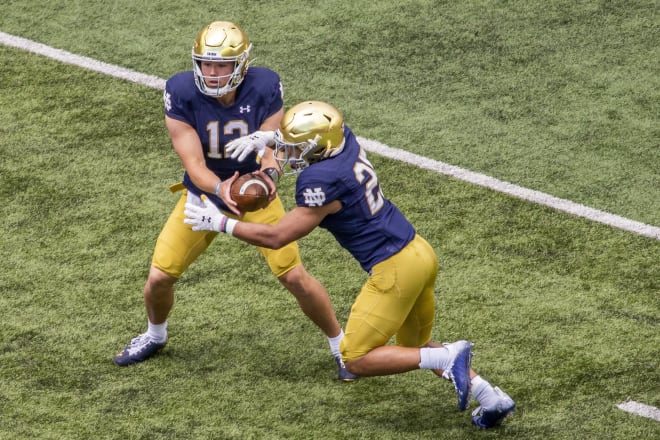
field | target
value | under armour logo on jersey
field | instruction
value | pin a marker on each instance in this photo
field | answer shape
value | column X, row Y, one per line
column 167, row 99
column 314, row 198
column 245, row 109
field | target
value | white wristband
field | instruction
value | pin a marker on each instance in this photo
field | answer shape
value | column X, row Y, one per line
column 229, row 226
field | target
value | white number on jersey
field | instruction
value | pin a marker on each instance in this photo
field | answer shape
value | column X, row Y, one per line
column 214, row 136
column 365, row 174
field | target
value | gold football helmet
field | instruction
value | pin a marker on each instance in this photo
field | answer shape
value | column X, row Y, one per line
column 221, row 41
column 309, row 132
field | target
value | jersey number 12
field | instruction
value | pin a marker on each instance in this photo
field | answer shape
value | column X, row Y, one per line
column 214, row 136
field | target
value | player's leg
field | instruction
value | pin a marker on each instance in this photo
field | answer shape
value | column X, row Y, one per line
column 312, row 299
column 450, row 361
column 315, row 303
column 398, row 299
column 311, row 295
column 383, row 309
column 495, row 405
column 176, row 248
column 158, row 295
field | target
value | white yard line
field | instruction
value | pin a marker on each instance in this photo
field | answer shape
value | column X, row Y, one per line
column 514, row 190
column 80, row 61
column 639, row 409
column 369, row 144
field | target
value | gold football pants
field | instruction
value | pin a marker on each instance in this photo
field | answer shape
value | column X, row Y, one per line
column 397, row 300
column 178, row 246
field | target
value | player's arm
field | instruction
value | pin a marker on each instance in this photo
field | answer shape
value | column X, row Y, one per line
column 271, row 124
column 259, row 142
column 268, row 164
column 189, row 148
column 294, row 225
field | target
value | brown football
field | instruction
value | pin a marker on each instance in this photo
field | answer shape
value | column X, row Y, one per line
column 250, row 192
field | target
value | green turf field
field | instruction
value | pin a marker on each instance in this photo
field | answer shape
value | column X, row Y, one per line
column 560, row 97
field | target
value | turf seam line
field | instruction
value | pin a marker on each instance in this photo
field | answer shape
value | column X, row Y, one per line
column 371, row 145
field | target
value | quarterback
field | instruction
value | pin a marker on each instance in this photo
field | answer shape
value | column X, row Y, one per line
column 220, row 106
column 337, row 189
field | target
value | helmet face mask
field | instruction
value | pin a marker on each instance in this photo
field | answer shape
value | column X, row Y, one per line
column 297, row 156
column 310, row 132
column 221, row 42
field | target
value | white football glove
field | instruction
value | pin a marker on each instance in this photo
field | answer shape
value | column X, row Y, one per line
column 206, row 217
column 257, row 141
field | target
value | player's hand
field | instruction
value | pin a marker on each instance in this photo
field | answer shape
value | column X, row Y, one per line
column 258, row 141
column 206, row 217
column 225, row 193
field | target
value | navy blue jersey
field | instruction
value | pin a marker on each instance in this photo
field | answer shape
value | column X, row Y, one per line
column 368, row 225
column 258, row 97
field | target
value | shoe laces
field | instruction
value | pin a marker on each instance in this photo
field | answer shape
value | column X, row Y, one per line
column 139, row 343
column 142, row 339
column 502, row 399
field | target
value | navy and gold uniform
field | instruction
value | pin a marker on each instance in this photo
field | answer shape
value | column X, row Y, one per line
column 221, row 118
column 258, row 97
column 398, row 297
column 337, row 189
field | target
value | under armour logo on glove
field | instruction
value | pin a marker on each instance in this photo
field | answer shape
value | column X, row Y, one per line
column 206, row 217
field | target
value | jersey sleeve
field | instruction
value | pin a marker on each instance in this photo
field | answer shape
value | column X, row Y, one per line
column 174, row 100
column 275, row 95
column 319, row 189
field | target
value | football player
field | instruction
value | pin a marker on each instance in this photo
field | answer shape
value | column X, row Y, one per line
column 337, row 189
column 223, row 102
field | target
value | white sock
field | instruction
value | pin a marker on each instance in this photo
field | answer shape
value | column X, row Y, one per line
column 157, row 332
column 484, row 392
column 335, row 342
column 435, row 358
